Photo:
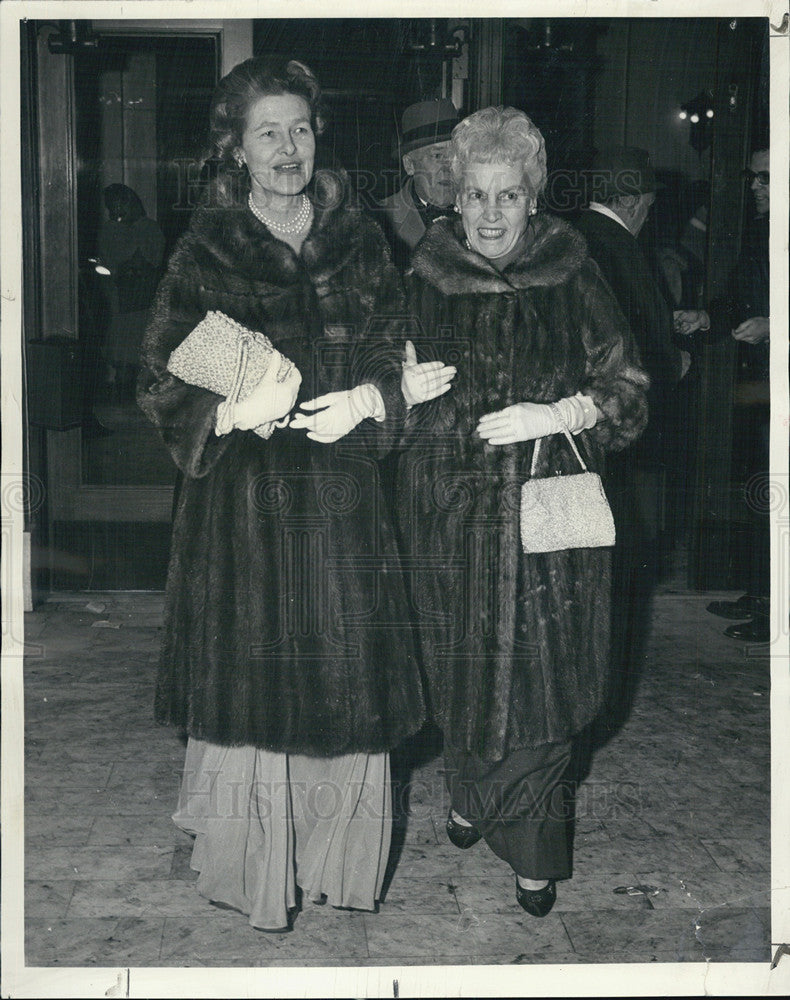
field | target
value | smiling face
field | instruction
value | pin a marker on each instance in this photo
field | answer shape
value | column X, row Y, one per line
column 495, row 204
column 278, row 145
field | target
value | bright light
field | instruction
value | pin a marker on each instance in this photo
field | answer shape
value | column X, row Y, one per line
column 709, row 113
column 102, row 269
column 694, row 118
column 683, row 115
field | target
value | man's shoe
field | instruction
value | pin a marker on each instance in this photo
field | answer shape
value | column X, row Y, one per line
column 756, row 630
column 744, row 607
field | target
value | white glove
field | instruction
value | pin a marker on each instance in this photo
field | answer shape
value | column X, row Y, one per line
column 527, row 421
column 342, row 412
column 421, row 382
column 269, row 402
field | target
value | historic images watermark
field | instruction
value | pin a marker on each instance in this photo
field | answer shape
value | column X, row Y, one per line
column 203, row 798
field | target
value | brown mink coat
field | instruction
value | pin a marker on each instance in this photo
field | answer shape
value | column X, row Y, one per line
column 286, row 623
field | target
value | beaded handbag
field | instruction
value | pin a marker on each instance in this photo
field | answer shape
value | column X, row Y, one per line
column 229, row 359
column 565, row 512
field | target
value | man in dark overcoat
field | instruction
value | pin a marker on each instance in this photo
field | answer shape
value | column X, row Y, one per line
column 623, row 186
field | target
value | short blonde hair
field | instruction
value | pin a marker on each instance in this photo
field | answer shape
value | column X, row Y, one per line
column 494, row 135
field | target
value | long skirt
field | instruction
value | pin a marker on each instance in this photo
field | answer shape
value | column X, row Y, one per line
column 521, row 805
column 268, row 822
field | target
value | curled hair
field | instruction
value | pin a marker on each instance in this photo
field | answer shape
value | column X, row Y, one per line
column 494, row 135
column 247, row 83
column 262, row 76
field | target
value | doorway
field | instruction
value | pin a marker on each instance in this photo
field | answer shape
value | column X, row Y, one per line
column 121, row 125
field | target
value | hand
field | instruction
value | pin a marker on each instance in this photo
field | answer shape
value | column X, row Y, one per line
column 685, row 363
column 268, row 401
column 520, row 422
column 687, row 321
column 421, row 382
column 752, row 331
column 341, row 412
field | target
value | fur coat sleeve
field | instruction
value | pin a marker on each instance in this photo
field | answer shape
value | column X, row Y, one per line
column 185, row 415
column 613, row 377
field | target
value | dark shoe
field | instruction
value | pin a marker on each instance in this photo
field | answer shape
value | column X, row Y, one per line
column 461, row 836
column 744, row 607
column 756, row 630
column 537, row 902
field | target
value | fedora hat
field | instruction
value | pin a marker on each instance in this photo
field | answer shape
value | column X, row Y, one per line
column 622, row 170
column 425, row 123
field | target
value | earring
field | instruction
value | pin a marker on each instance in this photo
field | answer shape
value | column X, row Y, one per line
column 456, row 208
column 533, row 210
column 239, row 158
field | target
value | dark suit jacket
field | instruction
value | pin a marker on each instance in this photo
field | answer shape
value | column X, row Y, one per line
column 747, row 295
column 625, row 267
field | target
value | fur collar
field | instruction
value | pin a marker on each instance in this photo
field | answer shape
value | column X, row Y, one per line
column 230, row 239
column 555, row 253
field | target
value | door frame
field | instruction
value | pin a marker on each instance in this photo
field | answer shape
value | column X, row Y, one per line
column 53, row 273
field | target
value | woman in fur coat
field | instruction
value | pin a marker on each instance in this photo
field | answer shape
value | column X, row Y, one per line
column 515, row 645
column 286, row 654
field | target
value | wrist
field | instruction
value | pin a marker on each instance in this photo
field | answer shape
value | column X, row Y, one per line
column 369, row 402
column 576, row 413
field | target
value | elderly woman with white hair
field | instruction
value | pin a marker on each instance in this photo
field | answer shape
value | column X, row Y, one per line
column 515, row 644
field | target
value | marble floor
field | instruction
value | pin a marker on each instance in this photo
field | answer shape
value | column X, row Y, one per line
column 671, row 857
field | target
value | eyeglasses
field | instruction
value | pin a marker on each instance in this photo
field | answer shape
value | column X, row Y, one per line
column 763, row 177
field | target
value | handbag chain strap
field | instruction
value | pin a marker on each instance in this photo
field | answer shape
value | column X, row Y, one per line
column 568, row 435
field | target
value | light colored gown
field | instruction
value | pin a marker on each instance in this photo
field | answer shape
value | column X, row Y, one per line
column 268, row 822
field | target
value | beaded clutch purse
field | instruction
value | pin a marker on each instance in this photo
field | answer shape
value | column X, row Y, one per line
column 565, row 512
column 229, row 359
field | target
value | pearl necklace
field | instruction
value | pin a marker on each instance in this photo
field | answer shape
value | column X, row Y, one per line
column 295, row 226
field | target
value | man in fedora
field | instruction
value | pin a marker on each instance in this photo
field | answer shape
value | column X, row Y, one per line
column 428, row 191
column 622, row 186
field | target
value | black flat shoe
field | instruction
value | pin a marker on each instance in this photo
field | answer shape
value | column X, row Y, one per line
column 461, row 836
column 537, row 902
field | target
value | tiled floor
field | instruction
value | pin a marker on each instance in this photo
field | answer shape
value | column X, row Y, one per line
column 675, row 806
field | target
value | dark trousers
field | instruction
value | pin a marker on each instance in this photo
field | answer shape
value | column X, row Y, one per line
column 521, row 805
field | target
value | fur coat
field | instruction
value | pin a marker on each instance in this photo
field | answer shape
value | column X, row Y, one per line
column 286, row 622
column 515, row 645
